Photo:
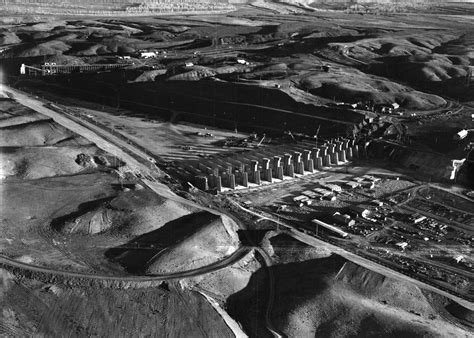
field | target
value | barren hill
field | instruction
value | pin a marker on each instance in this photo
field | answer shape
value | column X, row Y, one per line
column 328, row 296
column 185, row 243
column 131, row 213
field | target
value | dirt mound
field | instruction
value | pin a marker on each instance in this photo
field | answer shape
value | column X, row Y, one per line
column 198, row 73
column 201, row 72
column 36, row 132
column 149, row 75
column 330, row 297
column 159, row 36
column 46, row 48
column 93, row 50
column 37, row 162
column 130, row 213
column 44, row 26
column 8, row 38
column 212, row 238
column 96, row 221
column 185, row 243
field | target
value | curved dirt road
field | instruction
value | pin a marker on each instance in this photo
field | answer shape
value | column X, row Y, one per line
column 11, row 264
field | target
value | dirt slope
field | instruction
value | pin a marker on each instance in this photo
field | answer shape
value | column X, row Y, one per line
column 37, row 162
column 130, row 213
column 32, row 308
column 184, row 243
column 32, row 129
column 330, row 297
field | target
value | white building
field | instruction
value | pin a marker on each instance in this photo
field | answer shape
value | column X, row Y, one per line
column 242, row 62
column 147, row 55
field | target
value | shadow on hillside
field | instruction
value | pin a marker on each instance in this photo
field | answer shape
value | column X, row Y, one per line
column 135, row 255
column 294, row 283
column 59, row 222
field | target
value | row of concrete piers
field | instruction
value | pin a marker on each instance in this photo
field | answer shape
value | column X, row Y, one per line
column 271, row 164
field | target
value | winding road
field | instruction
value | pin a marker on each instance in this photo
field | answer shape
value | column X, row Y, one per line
column 233, row 258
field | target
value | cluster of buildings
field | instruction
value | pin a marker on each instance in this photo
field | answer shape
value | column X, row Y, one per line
column 357, row 219
column 146, row 54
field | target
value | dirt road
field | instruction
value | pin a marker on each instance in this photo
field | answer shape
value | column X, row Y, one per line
column 16, row 266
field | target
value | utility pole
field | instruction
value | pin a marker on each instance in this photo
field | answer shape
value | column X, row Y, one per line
column 317, row 133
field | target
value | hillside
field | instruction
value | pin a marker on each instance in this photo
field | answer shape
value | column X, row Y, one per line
column 131, row 213
column 34, row 308
column 185, row 243
column 327, row 296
